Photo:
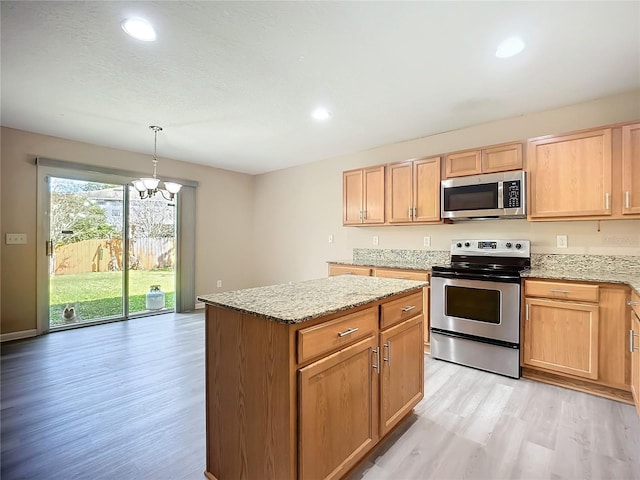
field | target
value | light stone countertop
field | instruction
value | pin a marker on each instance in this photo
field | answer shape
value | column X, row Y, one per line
column 405, row 265
column 586, row 268
column 298, row 302
column 584, row 275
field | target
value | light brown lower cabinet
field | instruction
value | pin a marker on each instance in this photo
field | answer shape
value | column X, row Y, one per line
column 634, row 349
column 575, row 334
column 309, row 401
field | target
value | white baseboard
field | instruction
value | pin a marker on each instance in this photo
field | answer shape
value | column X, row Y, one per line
column 199, row 305
column 5, row 337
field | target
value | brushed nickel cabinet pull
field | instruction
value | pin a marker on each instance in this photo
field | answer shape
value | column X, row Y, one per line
column 48, row 246
column 631, row 346
column 388, row 359
column 376, row 366
column 632, row 303
column 348, row 331
column 627, row 199
column 364, row 214
column 408, row 308
column 409, row 212
column 607, row 201
column 526, row 312
column 553, row 290
column 415, row 212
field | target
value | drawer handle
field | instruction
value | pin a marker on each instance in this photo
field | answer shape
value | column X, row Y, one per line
column 559, row 291
column 632, row 304
column 409, row 308
column 631, row 347
column 400, row 278
column 376, row 367
column 388, row 359
column 348, row 331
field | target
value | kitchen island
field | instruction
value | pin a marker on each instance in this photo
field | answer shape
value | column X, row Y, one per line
column 304, row 379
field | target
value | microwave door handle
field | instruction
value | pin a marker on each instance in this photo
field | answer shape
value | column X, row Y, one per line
column 500, row 194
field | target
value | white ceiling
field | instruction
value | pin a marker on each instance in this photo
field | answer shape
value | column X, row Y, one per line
column 233, row 83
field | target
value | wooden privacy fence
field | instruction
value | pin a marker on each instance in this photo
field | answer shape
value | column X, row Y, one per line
column 106, row 255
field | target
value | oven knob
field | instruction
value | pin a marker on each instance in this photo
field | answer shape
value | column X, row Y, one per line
column 508, row 244
column 518, row 245
column 467, row 244
column 458, row 245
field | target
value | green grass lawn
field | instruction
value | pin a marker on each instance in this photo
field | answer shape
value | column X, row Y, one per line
column 99, row 294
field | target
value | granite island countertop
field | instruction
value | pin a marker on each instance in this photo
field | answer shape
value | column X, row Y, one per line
column 298, row 302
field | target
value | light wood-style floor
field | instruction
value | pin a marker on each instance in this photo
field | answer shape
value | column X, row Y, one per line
column 126, row 401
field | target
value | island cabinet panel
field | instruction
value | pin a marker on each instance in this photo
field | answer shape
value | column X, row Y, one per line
column 247, row 397
column 338, row 423
column 401, row 356
column 303, row 400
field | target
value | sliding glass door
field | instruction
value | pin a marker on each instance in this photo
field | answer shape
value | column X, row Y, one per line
column 111, row 255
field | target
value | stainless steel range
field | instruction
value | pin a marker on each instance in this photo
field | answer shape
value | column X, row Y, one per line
column 475, row 305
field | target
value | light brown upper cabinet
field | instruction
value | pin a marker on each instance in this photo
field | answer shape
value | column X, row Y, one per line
column 594, row 174
column 363, row 196
column 570, row 175
column 631, row 169
column 413, row 191
column 500, row 158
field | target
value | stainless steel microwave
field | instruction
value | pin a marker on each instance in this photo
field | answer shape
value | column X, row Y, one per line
column 494, row 195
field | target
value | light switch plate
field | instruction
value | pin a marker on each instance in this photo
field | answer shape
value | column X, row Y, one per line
column 330, row 238
column 16, row 238
column 375, row 240
column 426, row 241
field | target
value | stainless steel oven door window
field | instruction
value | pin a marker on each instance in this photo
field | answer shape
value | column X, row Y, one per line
column 476, row 307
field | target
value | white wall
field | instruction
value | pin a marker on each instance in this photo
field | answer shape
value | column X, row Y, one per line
column 298, row 208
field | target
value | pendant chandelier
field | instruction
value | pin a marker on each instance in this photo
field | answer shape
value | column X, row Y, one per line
column 148, row 186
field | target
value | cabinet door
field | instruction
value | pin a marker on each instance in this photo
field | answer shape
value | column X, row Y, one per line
column 634, row 346
column 631, row 169
column 373, row 204
column 400, row 192
column 570, row 176
column 561, row 336
column 426, row 190
column 337, row 400
column 352, row 195
column 402, row 371
column 502, row 158
column 463, row 163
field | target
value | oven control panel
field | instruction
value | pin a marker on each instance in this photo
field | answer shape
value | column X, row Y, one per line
column 496, row 248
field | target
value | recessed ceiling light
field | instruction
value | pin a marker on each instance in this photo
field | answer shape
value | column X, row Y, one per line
column 510, row 47
column 139, row 28
column 321, row 114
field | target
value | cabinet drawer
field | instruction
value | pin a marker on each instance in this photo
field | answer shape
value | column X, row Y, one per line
column 397, row 310
column 332, row 335
column 403, row 274
column 348, row 270
column 561, row 290
column 635, row 303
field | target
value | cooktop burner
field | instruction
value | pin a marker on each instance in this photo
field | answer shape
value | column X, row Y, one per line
column 486, row 256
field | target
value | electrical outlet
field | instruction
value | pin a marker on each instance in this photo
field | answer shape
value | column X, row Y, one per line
column 219, row 284
column 375, row 240
column 330, row 238
column 561, row 241
column 426, row 241
column 16, row 238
